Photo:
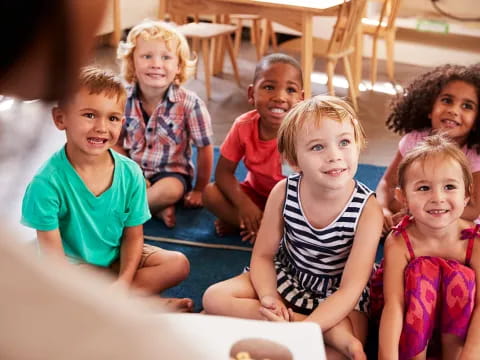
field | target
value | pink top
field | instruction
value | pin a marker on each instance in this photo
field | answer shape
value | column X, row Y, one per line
column 408, row 141
column 261, row 158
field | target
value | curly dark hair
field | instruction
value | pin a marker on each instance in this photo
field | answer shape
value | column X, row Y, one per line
column 411, row 108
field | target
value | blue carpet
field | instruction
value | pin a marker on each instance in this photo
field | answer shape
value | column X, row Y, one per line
column 212, row 264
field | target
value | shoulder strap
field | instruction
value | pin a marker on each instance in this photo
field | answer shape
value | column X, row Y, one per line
column 401, row 228
column 470, row 234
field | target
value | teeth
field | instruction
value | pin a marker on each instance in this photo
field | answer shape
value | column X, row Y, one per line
column 97, row 140
column 277, row 110
column 335, row 172
column 437, row 211
column 450, row 122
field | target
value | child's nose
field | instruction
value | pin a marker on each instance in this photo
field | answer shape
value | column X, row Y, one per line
column 101, row 125
column 437, row 195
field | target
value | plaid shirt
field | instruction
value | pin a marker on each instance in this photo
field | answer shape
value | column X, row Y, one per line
column 162, row 143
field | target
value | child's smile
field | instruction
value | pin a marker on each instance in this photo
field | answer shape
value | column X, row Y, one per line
column 156, row 64
column 455, row 110
column 275, row 91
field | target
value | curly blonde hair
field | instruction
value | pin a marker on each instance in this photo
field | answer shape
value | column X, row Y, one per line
column 313, row 110
column 149, row 29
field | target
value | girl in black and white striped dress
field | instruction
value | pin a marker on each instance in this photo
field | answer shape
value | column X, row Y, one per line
column 318, row 238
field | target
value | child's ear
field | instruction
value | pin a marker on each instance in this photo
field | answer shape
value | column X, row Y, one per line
column 251, row 99
column 58, row 116
column 302, row 95
column 400, row 196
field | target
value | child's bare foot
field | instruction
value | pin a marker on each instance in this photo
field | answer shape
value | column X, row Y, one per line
column 168, row 216
column 222, row 228
column 170, row 304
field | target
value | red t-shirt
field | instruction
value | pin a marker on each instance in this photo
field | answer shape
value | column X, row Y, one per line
column 260, row 157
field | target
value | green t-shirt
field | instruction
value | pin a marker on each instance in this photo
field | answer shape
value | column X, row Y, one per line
column 91, row 226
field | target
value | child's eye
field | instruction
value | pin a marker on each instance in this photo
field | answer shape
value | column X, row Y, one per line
column 450, row 187
column 89, row 115
column 114, row 118
column 291, row 90
column 446, row 100
column 423, row 188
column 166, row 57
column 467, row 106
column 317, row 147
column 147, row 56
column 345, row 142
column 268, row 87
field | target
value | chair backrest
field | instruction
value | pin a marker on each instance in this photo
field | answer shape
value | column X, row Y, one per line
column 349, row 16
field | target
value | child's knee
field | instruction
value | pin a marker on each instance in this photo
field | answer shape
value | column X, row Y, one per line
column 181, row 264
column 209, row 193
column 213, row 298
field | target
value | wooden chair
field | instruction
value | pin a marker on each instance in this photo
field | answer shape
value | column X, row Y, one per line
column 254, row 32
column 205, row 33
column 339, row 46
column 383, row 26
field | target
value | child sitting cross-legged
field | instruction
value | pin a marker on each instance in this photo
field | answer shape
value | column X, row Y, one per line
column 430, row 273
column 317, row 240
column 163, row 118
column 277, row 86
column 88, row 203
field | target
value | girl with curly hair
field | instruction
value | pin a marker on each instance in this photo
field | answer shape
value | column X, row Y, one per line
column 443, row 100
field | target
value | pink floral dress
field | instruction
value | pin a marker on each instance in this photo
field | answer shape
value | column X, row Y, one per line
column 439, row 296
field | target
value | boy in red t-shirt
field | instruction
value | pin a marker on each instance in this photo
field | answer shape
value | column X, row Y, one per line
column 277, row 86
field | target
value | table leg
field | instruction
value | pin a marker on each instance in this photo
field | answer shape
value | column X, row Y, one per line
column 307, row 54
column 162, row 9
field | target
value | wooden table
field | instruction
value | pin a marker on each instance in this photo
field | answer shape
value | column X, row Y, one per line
column 296, row 14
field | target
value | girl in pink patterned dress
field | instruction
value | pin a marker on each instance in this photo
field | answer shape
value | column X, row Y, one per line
column 431, row 260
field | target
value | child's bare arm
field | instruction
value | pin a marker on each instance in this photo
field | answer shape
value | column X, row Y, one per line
column 204, row 169
column 51, row 243
column 262, row 272
column 130, row 253
column 357, row 269
column 471, row 349
column 472, row 210
column 250, row 214
column 386, row 192
column 392, row 316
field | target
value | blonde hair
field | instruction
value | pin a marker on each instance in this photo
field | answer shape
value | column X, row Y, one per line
column 101, row 81
column 315, row 109
column 149, row 29
column 436, row 146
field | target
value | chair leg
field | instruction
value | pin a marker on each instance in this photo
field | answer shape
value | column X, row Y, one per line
column 351, row 82
column 373, row 62
column 206, row 65
column 272, row 35
column 390, row 44
column 256, row 37
column 228, row 40
column 195, row 51
column 357, row 59
column 330, row 72
column 238, row 38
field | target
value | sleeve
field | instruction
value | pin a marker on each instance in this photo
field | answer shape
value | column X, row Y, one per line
column 138, row 204
column 41, row 206
column 233, row 148
column 408, row 141
column 474, row 159
column 199, row 123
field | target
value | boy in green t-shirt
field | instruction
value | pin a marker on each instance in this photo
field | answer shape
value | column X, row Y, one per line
column 88, row 203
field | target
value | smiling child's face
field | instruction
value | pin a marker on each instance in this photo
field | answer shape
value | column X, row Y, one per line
column 276, row 90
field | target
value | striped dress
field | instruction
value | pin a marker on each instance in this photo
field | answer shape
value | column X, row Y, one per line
column 310, row 261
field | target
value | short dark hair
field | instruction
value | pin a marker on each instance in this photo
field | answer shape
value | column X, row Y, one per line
column 276, row 58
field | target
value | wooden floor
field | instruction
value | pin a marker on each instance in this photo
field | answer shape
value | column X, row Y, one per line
column 28, row 137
